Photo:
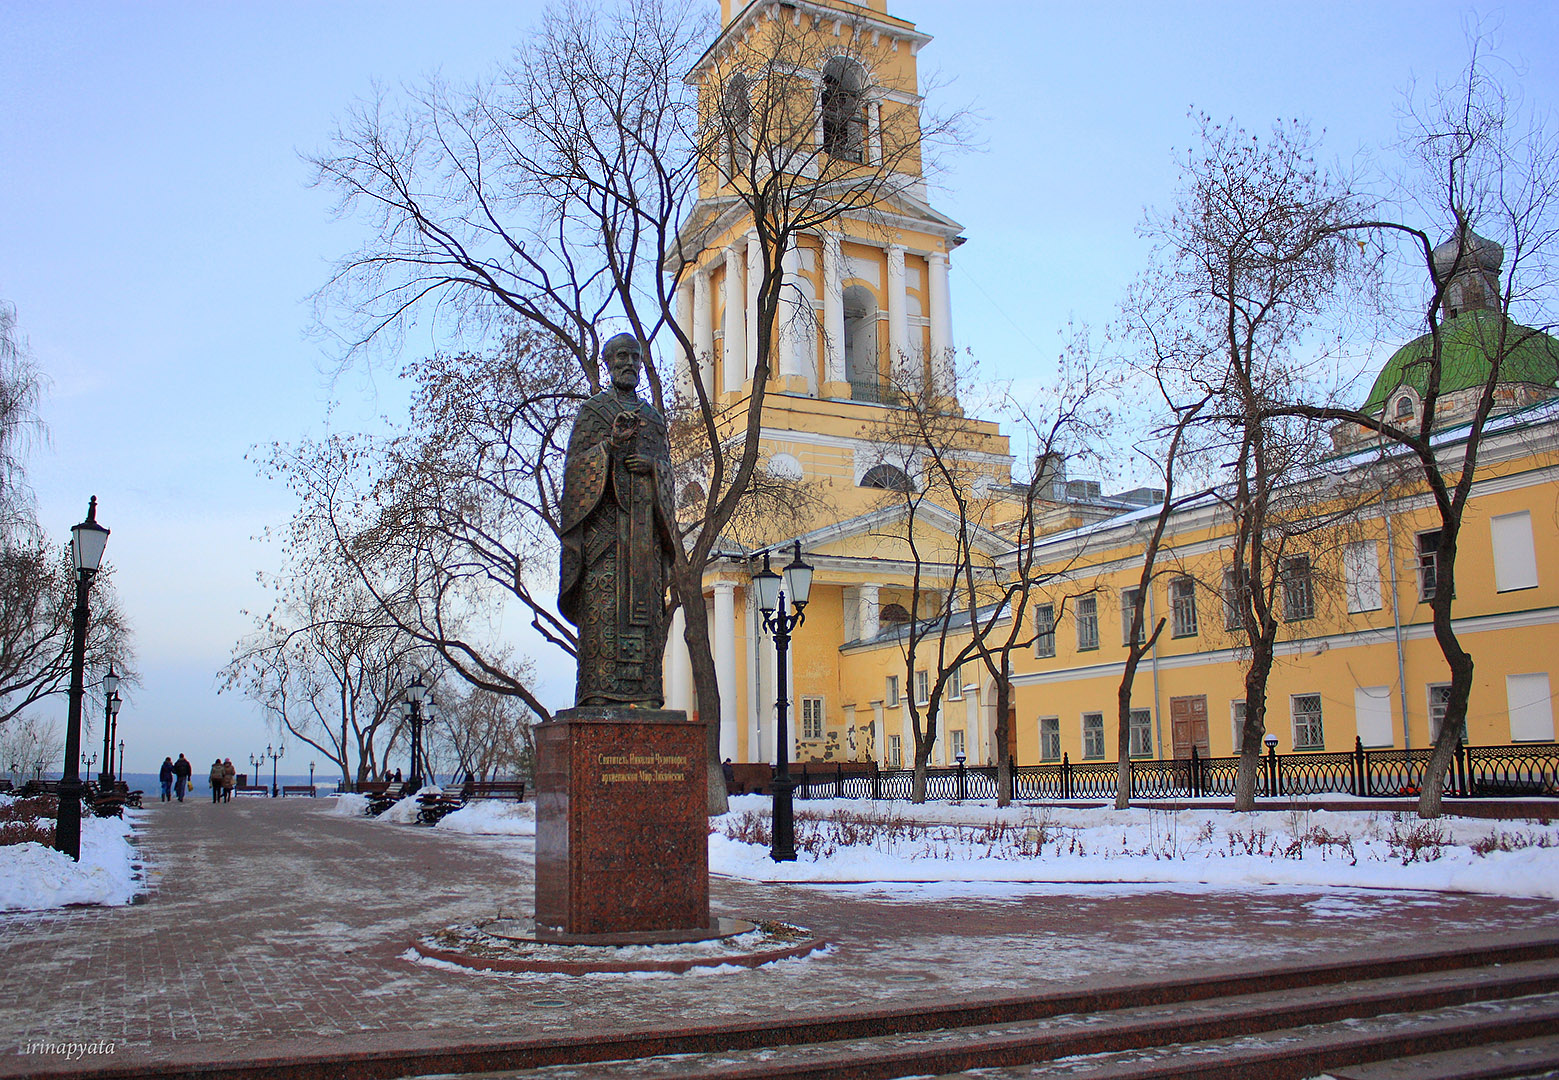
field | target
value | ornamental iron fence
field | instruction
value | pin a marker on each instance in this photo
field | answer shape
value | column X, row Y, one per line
column 1527, row 769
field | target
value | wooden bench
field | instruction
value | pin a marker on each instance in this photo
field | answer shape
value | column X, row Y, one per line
column 297, row 789
column 381, row 796
column 252, row 789
column 433, row 808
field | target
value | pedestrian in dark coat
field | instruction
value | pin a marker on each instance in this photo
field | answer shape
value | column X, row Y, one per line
column 165, row 776
column 181, row 774
column 229, row 779
column 215, row 780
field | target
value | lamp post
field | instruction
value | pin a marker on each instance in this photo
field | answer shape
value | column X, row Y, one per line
column 37, row 770
column 110, row 689
column 772, row 594
column 414, row 695
column 273, row 754
column 311, row 778
column 87, row 542
column 121, row 771
column 255, row 761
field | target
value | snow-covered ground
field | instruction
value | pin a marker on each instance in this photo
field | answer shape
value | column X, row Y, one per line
column 34, row 876
column 855, row 841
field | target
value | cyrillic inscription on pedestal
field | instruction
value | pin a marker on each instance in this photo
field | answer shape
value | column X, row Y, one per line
column 622, row 843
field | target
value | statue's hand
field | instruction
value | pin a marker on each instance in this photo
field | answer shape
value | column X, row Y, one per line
column 637, row 464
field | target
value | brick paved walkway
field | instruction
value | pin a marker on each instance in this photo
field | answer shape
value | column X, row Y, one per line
column 276, row 926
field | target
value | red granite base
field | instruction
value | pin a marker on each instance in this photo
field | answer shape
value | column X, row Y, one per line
column 622, row 835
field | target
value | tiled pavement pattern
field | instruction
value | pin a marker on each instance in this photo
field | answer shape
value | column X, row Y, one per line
column 275, row 926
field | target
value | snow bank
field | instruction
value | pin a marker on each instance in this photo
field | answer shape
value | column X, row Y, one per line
column 350, row 804
column 973, row 843
column 34, row 877
column 499, row 817
column 404, row 812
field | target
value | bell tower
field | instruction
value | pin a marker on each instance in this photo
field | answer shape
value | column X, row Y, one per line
column 865, row 307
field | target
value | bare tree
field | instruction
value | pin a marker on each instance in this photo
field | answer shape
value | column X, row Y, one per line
column 1478, row 166
column 566, row 191
column 1247, row 261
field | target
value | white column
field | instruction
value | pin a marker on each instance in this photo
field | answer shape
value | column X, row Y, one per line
column 678, row 672
column 684, row 381
column 868, row 612
column 898, row 319
column 752, row 638
column 792, row 320
column 941, row 321
column 703, row 328
column 734, row 362
column 874, row 131
column 724, row 648
column 833, row 310
column 754, row 276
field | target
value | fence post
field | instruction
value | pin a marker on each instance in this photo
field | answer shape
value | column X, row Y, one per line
column 876, row 782
column 1360, row 776
column 1272, row 772
column 963, row 789
column 838, row 779
column 1192, row 779
column 1461, row 769
column 806, row 782
column 1131, row 775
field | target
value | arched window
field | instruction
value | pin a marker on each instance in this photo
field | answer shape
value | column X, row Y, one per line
column 786, row 467
column 1404, row 408
column 693, row 497
column 886, row 478
column 736, row 119
column 894, row 614
column 844, row 109
column 860, row 336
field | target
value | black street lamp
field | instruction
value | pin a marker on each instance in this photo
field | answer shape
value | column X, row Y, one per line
column 105, row 779
column 273, row 754
column 311, row 778
column 121, row 772
column 37, row 770
column 414, row 695
column 772, row 593
column 87, row 542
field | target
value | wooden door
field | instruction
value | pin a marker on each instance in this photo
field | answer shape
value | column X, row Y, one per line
column 1188, row 724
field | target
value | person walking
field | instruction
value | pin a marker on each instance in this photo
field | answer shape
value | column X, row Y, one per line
column 165, row 777
column 229, row 779
column 215, row 779
column 182, row 771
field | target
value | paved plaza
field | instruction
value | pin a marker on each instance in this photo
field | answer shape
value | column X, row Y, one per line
column 274, row 927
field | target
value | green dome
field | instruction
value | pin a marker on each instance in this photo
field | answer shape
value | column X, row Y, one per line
column 1469, row 338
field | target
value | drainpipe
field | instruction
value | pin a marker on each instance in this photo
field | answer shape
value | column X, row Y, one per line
column 1158, row 721
column 1396, row 619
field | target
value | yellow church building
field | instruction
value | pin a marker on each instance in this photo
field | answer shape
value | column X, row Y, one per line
column 868, row 308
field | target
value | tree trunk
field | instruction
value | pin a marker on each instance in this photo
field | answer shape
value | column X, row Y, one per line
column 1003, row 734
column 1449, row 735
column 1255, row 726
column 706, row 686
column 1123, row 729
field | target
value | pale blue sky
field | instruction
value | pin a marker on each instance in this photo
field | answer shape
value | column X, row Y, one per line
column 160, row 242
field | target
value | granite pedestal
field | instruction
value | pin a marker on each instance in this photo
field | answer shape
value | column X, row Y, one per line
column 622, row 834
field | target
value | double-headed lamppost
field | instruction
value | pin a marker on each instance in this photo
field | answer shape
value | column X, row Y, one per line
column 773, row 591
column 414, row 695
column 87, row 542
column 273, row 754
column 255, row 761
column 105, row 778
column 121, row 771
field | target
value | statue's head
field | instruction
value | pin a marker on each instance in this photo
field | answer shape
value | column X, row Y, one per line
column 624, row 358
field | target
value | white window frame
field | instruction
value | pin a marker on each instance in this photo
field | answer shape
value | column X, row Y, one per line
column 1437, row 701
column 1127, row 599
column 1237, row 724
column 1044, row 631
column 957, row 741
column 1233, row 619
column 1530, row 705
column 922, row 687
column 1140, row 733
column 1049, row 738
column 812, row 718
column 1182, row 607
column 1086, row 622
column 891, row 692
column 955, row 686
column 1361, row 576
column 895, row 752
column 1427, row 564
column 1314, row 729
column 1093, row 724
column 1298, row 588
column 1372, row 713
column 1515, row 556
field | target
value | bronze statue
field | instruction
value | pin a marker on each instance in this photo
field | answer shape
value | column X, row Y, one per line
column 618, row 531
